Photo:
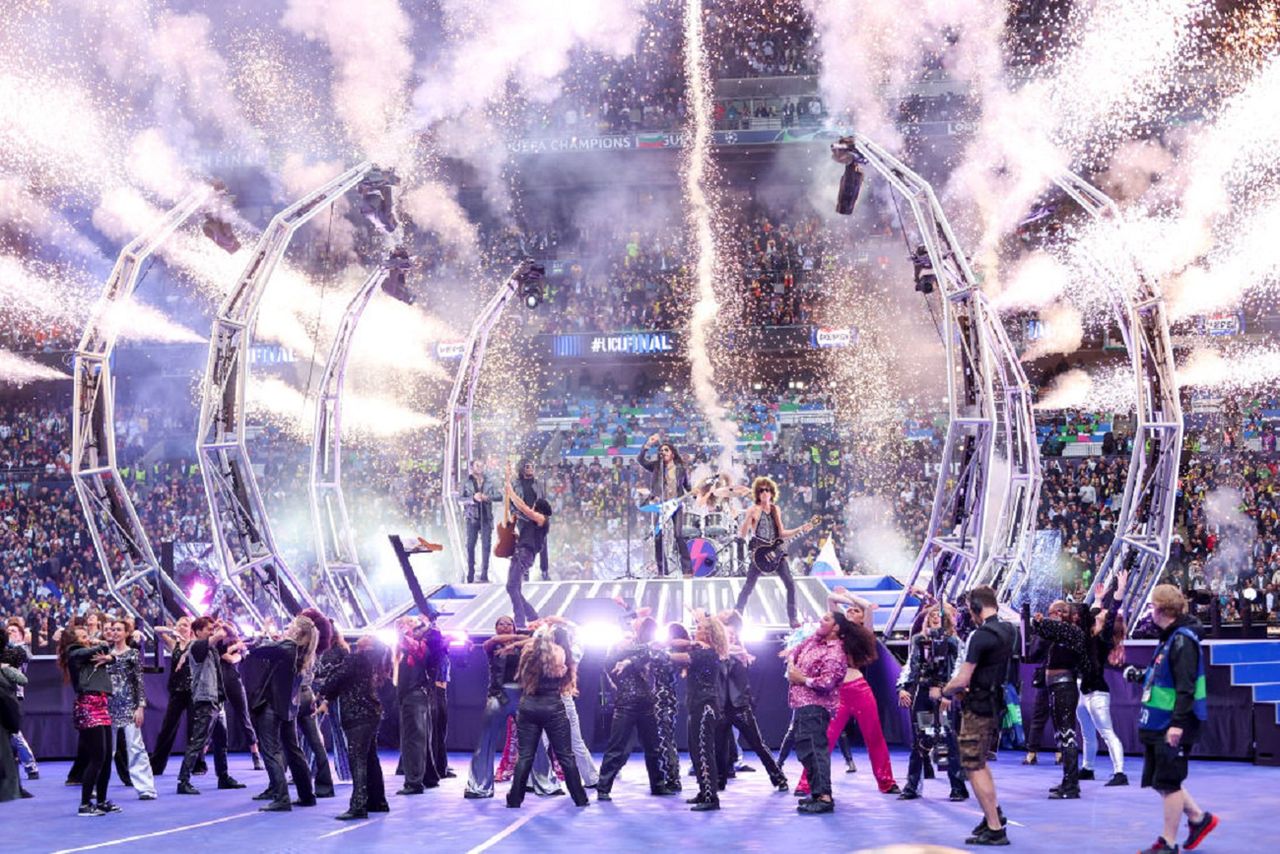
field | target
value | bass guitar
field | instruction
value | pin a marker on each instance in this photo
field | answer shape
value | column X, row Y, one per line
column 767, row 555
column 505, row 546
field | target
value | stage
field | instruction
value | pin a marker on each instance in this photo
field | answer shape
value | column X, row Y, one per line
column 753, row 818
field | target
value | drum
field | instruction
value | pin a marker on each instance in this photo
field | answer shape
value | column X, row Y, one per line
column 716, row 526
column 693, row 526
column 704, row 557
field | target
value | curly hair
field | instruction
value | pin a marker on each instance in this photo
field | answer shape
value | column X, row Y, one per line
column 762, row 483
column 859, row 642
column 717, row 637
column 539, row 659
column 324, row 628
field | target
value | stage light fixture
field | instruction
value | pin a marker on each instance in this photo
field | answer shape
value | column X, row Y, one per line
column 530, row 277
column 751, row 632
column 398, row 265
column 845, row 151
column 220, row 232
column 926, row 279
column 376, row 203
column 388, row 637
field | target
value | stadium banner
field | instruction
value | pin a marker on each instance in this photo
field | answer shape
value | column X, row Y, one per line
column 450, row 349
column 612, row 346
column 824, row 337
column 676, row 140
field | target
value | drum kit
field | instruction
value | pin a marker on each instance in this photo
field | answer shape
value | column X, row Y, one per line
column 710, row 527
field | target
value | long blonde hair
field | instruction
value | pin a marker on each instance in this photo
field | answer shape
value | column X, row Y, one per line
column 538, row 659
column 307, row 638
column 717, row 637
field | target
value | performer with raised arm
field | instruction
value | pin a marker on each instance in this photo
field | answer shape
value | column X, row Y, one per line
column 763, row 524
column 533, row 526
column 669, row 481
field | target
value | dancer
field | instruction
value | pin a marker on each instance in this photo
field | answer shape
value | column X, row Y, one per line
column 203, row 656
column 669, row 480
column 1173, row 709
column 176, row 640
column 478, row 494
column 127, row 704
column 665, row 706
column 763, row 524
column 739, row 706
column 1063, row 663
column 629, row 668
column 586, row 764
column 308, row 723
column 12, row 680
column 703, row 660
column 352, row 680
column 16, row 654
column 815, row 668
column 84, row 666
column 981, row 678
column 419, row 645
column 934, row 656
column 856, row 700
column 546, row 673
column 237, row 700
column 533, row 526
column 1104, row 634
column 273, row 702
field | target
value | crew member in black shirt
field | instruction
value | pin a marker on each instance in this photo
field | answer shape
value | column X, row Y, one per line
column 981, row 677
column 533, row 525
column 1064, row 662
column 630, row 671
column 478, row 495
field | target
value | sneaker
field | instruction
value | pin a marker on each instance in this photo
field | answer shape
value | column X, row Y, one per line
column 892, row 790
column 1064, row 794
column 705, row 806
column 33, row 775
column 230, row 783
column 109, row 806
column 987, row 836
column 147, row 796
column 89, row 810
column 1197, row 831
column 1160, row 847
column 817, row 807
column 1087, row 774
column 977, row 828
column 1118, row 779
column 909, row 794
column 187, row 789
column 743, row 767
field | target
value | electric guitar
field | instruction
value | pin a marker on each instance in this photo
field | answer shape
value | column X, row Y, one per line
column 768, row 555
column 506, row 543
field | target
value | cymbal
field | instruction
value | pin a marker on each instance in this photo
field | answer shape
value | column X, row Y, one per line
column 643, row 491
column 732, row 492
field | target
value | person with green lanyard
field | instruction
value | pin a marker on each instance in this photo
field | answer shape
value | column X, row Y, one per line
column 1173, row 708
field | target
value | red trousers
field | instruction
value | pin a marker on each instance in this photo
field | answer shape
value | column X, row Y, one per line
column 857, row 701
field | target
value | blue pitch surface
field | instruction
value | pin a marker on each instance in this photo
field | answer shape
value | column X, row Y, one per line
column 753, row 818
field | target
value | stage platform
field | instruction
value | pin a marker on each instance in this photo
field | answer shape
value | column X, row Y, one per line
column 473, row 608
column 753, row 818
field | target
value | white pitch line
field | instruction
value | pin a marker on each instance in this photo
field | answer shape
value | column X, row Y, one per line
column 507, row 831
column 157, row 833
column 354, row 826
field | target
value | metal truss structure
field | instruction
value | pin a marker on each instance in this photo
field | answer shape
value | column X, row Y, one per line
column 255, row 574
column 987, row 398
column 122, row 545
column 340, row 571
column 1144, row 524
column 460, row 438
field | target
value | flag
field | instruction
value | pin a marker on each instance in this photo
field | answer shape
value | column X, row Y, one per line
column 826, row 563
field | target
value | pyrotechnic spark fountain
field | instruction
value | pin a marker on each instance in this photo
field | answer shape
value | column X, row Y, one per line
column 698, row 174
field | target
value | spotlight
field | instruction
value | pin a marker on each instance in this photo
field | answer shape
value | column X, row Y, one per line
column 220, row 232
column 845, row 151
column 926, row 279
column 398, row 265
column 456, row 637
column 600, row 634
column 388, row 637
column 199, row 596
column 529, row 276
column 376, row 203
column 751, row 632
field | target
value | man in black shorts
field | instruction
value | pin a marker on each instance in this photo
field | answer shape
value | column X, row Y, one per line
column 1174, row 705
column 981, row 678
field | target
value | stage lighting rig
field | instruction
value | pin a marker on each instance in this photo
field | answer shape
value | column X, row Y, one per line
column 845, row 151
column 926, row 279
column 398, row 265
column 376, row 203
column 530, row 277
column 215, row 225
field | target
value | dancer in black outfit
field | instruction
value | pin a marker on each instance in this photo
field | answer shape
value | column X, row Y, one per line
column 739, row 707
column 176, row 639
column 308, row 722
column 630, row 668
column 669, row 480
column 704, row 662
column 546, row 673
column 665, row 706
column 204, row 661
column 420, row 649
column 273, row 702
column 237, row 700
column 351, row 680
column 85, row 667
column 1064, row 661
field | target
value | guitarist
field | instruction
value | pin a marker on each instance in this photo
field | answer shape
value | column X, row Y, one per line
column 532, row 525
column 763, row 526
column 669, row 479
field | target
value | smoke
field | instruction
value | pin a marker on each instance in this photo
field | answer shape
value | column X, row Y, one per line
column 698, row 174
column 367, row 416
column 368, row 41
column 1106, row 390
column 17, row 371
column 432, row 207
column 1236, row 531
column 1063, row 332
column 873, row 540
column 335, row 229
column 1236, row 369
column 1248, row 262
column 1135, row 168
column 1036, row 282
column 1070, row 390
